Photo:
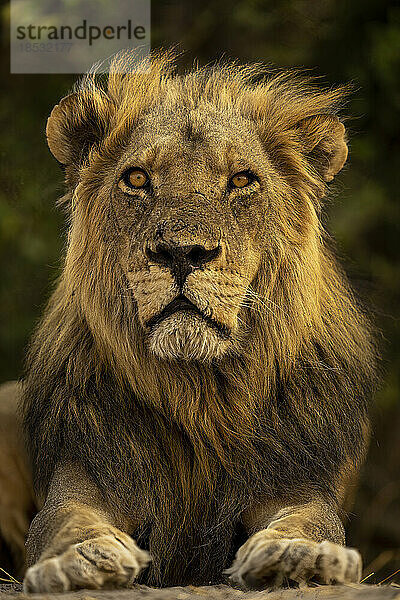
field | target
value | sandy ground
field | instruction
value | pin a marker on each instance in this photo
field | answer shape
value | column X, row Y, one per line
column 220, row 592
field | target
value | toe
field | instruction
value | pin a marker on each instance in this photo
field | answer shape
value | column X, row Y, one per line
column 46, row 577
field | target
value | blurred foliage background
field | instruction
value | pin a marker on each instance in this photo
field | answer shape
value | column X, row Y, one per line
column 343, row 41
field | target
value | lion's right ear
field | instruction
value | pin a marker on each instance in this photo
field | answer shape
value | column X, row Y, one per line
column 77, row 124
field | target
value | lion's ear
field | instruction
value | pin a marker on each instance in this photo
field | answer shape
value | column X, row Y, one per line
column 75, row 126
column 324, row 143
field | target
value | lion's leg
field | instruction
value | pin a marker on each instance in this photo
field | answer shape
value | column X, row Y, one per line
column 17, row 505
column 294, row 543
column 76, row 540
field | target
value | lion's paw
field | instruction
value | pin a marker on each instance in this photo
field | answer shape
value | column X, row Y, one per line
column 263, row 562
column 105, row 561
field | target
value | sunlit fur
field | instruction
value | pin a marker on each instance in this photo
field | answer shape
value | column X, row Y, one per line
column 185, row 336
column 185, row 443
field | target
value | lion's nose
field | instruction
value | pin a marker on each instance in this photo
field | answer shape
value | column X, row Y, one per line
column 182, row 259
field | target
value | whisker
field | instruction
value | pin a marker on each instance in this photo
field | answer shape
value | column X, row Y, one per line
column 264, row 301
column 319, row 365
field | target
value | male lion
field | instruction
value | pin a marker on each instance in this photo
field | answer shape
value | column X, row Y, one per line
column 202, row 373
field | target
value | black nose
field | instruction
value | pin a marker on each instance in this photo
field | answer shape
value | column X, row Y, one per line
column 182, row 259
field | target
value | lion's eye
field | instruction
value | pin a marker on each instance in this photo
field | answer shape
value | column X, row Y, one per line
column 241, row 179
column 133, row 179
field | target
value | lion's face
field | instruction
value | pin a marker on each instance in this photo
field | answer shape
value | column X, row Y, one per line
column 189, row 200
column 193, row 196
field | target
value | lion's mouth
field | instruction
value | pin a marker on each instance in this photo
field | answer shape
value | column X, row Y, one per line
column 181, row 303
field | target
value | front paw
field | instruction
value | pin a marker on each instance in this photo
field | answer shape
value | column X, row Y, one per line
column 106, row 561
column 263, row 562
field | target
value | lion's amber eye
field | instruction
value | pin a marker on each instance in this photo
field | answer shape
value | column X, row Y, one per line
column 240, row 180
column 137, row 178
column 133, row 179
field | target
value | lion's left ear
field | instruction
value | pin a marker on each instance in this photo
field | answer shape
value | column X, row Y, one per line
column 323, row 141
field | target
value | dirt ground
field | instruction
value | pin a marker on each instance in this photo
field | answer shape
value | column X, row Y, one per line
column 219, row 592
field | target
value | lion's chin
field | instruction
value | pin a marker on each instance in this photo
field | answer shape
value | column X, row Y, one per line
column 187, row 336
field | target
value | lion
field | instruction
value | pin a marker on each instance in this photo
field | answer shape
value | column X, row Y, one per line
column 195, row 397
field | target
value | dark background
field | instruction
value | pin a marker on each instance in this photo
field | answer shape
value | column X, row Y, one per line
column 357, row 40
